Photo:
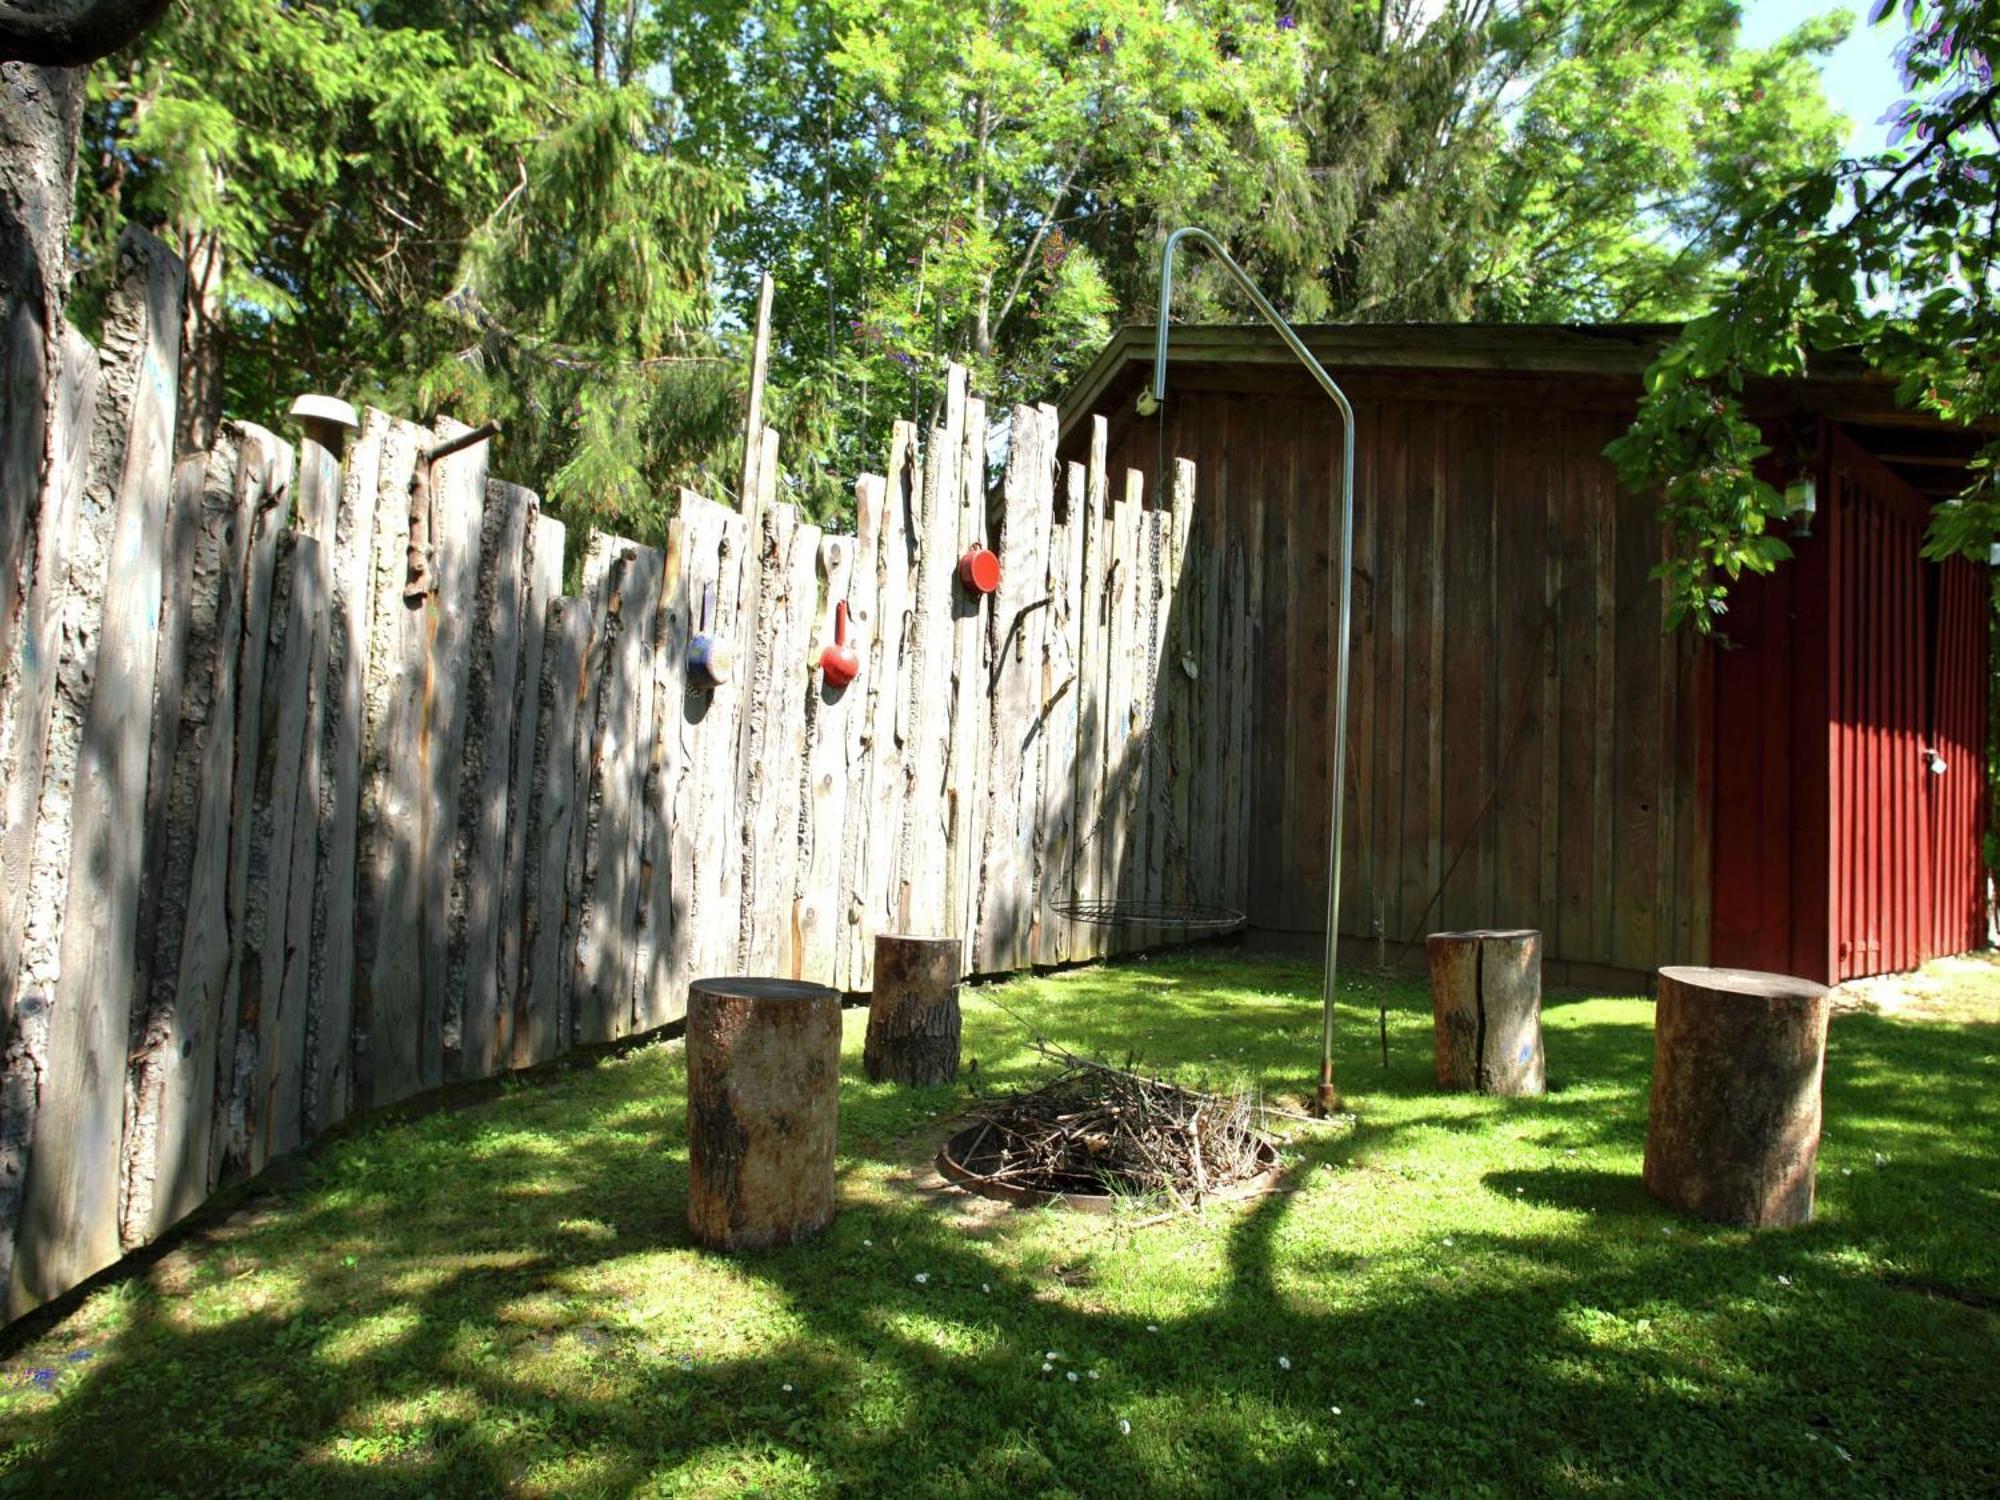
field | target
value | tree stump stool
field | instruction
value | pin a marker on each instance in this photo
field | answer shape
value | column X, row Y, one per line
column 1733, row 1132
column 1486, row 1006
column 913, row 1019
column 763, row 1061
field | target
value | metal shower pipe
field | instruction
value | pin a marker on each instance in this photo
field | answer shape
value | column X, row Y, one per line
column 1149, row 404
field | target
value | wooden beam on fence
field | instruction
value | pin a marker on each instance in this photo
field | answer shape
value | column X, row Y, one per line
column 922, row 908
column 263, row 1059
column 542, row 558
column 561, row 690
column 832, row 710
column 969, row 733
column 29, row 713
column 657, row 996
column 330, row 1008
column 1087, row 862
column 707, row 832
column 170, row 1104
column 860, row 703
column 97, row 755
column 748, row 493
column 1012, row 816
column 607, row 899
column 388, row 984
column 762, row 787
column 878, row 885
column 29, row 669
column 458, row 496
column 480, row 876
column 1059, row 695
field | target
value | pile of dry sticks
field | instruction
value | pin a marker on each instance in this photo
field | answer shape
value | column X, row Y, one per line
column 1098, row 1128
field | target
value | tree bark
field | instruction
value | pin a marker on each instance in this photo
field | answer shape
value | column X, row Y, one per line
column 763, row 1059
column 1486, row 1005
column 913, row 1016
column 1733, row 1132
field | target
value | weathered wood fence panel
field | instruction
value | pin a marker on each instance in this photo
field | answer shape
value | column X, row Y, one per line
column 308, row 813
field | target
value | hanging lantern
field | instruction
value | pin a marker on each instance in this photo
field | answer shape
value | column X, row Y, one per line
column 840, row 662
column 1801, row 502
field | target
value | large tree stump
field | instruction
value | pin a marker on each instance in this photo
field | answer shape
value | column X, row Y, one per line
column 913, row 1019
column 763, row 1059
column 1486, row 1006
column 1733, row 1133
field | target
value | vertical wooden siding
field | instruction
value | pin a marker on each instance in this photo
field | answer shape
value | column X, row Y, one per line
column 1909, row 666
column 1527, row 745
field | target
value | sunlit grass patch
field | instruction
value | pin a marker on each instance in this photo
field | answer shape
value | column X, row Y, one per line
column 1446, row 1292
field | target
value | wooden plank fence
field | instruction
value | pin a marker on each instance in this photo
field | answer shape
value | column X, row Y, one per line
column 409, row 814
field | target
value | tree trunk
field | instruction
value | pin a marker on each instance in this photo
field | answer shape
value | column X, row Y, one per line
column 1733, row 1133
column 1486, row 1005
column 913, row 1019
column 763, row 1060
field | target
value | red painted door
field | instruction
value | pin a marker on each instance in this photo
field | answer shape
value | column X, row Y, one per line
column 1905, row 728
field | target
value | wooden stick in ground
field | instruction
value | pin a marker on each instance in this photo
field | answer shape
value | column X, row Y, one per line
column 913, row 1014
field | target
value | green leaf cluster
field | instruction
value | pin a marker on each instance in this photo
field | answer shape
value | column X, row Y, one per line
column 1890, row 255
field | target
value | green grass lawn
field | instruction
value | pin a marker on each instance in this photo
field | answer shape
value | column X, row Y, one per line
column 1454, row 1294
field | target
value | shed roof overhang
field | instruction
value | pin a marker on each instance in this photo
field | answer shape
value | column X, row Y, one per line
column 1605, row 359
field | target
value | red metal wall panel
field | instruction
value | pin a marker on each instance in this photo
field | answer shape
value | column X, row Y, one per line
column 1955, row 798
column 1838, row 853
column 1907, row 652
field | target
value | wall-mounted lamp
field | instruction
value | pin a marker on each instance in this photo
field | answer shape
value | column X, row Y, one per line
column 1801, row 501
column 1933, row 762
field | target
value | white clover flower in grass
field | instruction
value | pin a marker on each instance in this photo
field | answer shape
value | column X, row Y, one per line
column 1334, row 1409
column 1284, row 1361
column 985, row 1288
column 921, row 1278
column 1124, row 1426
column 1072, row 1376
column 1052, row 1354
column 1418, row 1401
column 1047, row 1367
column 1784, row 1281
column 788, row 1385
column 868, row 1244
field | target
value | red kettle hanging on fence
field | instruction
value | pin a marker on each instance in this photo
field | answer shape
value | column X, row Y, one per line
column 840, row 662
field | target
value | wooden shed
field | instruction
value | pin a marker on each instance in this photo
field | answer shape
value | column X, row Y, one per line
column 1529, row 746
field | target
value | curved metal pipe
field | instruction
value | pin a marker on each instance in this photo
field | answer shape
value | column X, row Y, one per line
column 1327, row 1098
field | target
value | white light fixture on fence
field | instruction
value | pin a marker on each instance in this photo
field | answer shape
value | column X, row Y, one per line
column 1802, row 502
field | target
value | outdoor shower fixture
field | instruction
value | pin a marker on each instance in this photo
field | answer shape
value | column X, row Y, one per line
column 1149, row 405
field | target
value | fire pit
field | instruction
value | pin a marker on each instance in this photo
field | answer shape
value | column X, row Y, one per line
column 1097, row 1134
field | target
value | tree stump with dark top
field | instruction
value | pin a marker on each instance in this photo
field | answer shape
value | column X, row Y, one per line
column 913, row 1019
column 1486, row 1006
column 763, row 1061
column 1733, row 1133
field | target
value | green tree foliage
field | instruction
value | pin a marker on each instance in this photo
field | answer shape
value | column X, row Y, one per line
column 550, row 211
column 1550, row 160
column 925, row 169
column 1892, row 254
column 427, row 202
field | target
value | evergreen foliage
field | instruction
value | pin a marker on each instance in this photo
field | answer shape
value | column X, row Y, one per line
column 555, row 213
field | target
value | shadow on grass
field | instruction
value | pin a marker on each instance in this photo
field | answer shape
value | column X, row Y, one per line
column 504, row 1299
